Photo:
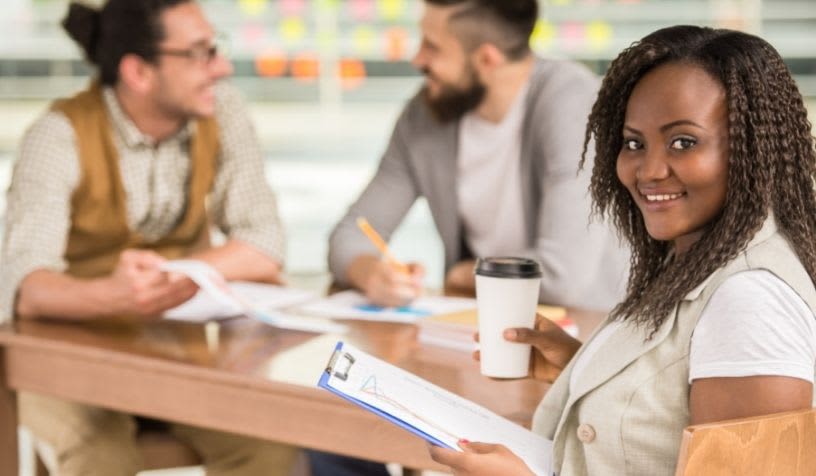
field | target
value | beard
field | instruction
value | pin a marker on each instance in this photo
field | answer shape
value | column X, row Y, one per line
column 452, row 103
column 180, row 104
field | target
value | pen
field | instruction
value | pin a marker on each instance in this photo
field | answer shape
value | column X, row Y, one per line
column 377, row 240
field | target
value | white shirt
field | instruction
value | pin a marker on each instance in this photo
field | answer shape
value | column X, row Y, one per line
column 754, row 324
column 489, row 181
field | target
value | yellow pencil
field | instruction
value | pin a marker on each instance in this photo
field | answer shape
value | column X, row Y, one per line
column 377, row 240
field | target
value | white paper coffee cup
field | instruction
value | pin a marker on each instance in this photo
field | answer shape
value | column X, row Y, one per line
column 506, row 295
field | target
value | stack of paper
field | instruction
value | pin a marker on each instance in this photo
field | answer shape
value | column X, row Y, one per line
column 453, row 331
column 456, row 330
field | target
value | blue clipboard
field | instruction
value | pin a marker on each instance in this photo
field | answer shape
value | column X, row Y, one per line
column 324, row 383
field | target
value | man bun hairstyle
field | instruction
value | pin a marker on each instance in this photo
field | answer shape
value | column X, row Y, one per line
column 119, row 28
column 82, row 25
column 507, row 24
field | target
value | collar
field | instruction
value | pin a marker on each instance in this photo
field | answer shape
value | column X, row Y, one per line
column 767, row 230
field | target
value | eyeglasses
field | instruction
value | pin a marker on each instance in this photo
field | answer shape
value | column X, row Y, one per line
column 201, row 54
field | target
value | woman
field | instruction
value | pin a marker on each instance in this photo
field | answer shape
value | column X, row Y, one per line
column 705, row 163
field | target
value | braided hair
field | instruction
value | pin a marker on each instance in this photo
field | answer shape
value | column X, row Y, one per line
column 772, row 164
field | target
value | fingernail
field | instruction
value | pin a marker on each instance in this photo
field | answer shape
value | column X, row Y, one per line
column 510, row 334
column 464, row 441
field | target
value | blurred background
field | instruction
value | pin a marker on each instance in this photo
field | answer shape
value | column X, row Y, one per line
column 325, row 80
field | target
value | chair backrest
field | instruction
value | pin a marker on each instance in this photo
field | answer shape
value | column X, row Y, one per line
column 781, row 444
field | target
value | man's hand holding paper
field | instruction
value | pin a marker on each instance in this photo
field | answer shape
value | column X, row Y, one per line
column 140, row 287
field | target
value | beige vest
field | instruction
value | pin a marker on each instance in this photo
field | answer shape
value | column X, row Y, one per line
column 99, row 229
column 634, row 393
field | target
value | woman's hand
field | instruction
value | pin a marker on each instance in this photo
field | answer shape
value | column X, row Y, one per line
column 553, row 348
column 480, row 459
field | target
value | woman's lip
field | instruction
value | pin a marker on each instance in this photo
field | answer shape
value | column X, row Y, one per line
column 656, row 196
column 660, row 201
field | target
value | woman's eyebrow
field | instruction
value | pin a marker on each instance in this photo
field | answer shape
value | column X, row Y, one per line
column 632, row 130
column 665, row 127
column 681, row 122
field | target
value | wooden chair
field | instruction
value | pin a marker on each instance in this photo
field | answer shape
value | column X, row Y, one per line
column 782, row 444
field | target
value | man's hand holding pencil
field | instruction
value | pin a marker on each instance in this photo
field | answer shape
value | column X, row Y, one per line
column 386, row 281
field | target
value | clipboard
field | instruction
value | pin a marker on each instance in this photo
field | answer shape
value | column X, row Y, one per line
column 340, row 365
column 426, row 410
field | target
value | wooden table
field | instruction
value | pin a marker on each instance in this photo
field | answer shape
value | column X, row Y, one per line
column 250, row 379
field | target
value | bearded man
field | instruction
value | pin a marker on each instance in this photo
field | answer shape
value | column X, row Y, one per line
column 492, row 141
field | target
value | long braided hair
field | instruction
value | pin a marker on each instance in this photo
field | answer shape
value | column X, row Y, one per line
column 772, row 164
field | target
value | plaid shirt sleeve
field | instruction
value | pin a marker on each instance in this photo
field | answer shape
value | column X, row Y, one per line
column 242, row 204
column 38, row 208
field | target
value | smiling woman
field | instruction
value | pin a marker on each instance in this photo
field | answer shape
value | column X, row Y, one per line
column 749, row 153
column 674, row 159
column 705, row 162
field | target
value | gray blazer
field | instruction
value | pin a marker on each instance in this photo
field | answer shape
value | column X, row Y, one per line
column 583, row 263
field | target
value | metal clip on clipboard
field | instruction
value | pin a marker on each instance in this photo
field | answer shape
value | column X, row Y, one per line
column 345, row 359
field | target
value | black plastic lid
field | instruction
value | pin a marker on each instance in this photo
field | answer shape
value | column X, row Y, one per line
column 507, row 267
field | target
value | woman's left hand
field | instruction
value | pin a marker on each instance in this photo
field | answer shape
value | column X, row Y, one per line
column 480, row 459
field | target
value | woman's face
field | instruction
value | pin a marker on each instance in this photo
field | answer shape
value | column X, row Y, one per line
column 674, row 159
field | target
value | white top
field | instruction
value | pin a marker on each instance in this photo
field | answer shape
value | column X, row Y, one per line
column 754, row 324
column 489, row 181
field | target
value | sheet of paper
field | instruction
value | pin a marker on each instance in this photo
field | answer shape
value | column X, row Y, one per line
column 204, row 307
column 299, row 323
column 208, row 280
column 353, row 305
column 432, row 409
column 218, row 299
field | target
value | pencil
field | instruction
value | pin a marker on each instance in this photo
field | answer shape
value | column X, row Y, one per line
column 377, row 240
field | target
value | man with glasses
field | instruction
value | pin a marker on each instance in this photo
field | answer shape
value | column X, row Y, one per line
column 117, row 179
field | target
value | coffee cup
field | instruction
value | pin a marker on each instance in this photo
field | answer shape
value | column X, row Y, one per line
column 507, row 291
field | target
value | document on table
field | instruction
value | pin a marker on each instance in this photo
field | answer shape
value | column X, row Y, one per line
column 353, row 305
column 429, row 411
column 219, row 299
column 203, row 306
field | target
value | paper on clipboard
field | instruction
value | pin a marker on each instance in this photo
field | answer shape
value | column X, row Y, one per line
column 428, row 411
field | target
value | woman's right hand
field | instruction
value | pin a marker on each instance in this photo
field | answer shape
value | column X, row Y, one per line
column 553, row 347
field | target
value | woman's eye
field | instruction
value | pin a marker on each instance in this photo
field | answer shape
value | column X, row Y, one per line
column 631, row 144
column 682, row 143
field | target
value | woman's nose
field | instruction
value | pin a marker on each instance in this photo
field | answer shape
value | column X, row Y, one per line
column 653, row 166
